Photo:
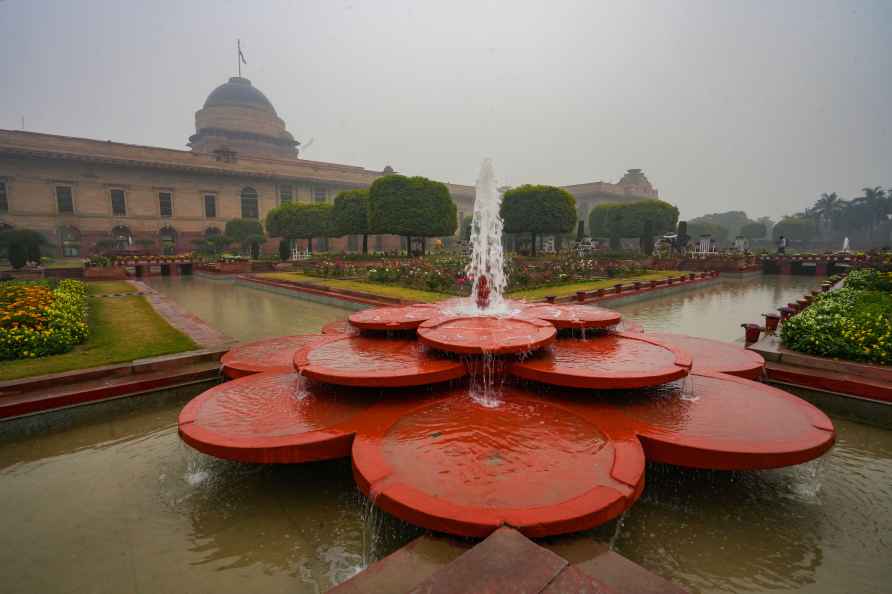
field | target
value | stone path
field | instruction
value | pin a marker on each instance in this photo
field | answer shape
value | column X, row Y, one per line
column 191, row 325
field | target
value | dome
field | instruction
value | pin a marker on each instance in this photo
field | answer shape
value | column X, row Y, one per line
column 239, row 92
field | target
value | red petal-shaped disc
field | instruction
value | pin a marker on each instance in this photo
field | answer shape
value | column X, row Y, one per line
column 375, row 361
column 455, row 466
column 614, row 361
column 727, row 423
column 715, row 355
column 486, row 334
column 270, row 355
column 338, row 327
column 393, row 318
column 573, row 316
column 272, row 418
column 627, row 325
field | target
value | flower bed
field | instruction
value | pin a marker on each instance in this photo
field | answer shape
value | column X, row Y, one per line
column 41, row 318
column 850, row 324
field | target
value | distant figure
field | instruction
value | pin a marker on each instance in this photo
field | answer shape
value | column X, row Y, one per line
column 781, row 245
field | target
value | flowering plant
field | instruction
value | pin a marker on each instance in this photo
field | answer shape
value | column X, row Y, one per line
column 38, row 319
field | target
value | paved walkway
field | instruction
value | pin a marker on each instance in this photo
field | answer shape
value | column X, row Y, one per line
column 197, row 329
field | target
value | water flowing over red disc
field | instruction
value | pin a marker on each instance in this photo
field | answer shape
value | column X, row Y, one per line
column 458, row 467
column 393, row 318
column 722, row 422
column 627, row 325
column 275, row 355
column 375, row 361
column 715, row 355
column 338, row 327
column 573, row 316
column 272, row 418
column 613, row 361
column 473, row 335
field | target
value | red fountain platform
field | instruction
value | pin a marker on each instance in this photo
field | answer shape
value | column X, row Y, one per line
column 573, row 316
column 615, row 361
column 475, row 335
column 457, row 467
column 271, row 418
column 393, row 318
column 727, row 423
column 271, row 355
column 375, row 362
column 338, row 327
column 715, row 355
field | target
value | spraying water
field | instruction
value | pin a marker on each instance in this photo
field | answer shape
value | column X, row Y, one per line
column 845, row 245
column 487, row 265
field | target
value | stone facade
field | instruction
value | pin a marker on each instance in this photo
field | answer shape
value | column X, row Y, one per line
column 78, row 191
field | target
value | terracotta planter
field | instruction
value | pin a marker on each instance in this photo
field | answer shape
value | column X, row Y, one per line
column 771, row 322
column 751, row 332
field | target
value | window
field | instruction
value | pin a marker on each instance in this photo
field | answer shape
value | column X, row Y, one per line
column 122, row 237
column 119, row 206
column 249, row 204
column 319, row 195
column 168, row 237
column 165, row 204
column 4, row 201
column 63, row 199
column 210, row 206
column 285, row 195
column 71, row 242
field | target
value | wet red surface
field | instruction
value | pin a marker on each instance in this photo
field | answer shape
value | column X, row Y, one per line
column 715, row 355
column 573, row 316
column 455, row 466
column 375, row 361
column 268, row 355
column 614, row 361
column 338, row 327
column 393, row 318
column 486, row 334
column 271, row 418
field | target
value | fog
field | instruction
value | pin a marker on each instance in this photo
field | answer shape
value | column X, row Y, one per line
column 758, row 106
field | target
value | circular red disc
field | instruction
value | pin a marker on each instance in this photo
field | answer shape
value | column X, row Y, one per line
column 271, row 418
column 486, row 334
column 338, row 327
column 393, row 318
column 457, row 467
column 723, row 422
column 267, row 355
column 627, row 325
column 715, row 355
column 606, row 362
column 375, row 361
column 573, row 316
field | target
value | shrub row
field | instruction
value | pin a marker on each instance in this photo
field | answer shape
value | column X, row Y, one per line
column 39, row 318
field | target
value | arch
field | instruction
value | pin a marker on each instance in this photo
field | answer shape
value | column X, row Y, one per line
column 250, row 203
column 70, row 241
column 168, row 237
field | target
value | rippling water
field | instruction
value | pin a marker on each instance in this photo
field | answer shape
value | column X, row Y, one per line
column 116, row 503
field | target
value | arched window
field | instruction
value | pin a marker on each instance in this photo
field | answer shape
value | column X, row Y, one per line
column 70, row 240
column 122, row 237
column 168, row 237
column 250, row 209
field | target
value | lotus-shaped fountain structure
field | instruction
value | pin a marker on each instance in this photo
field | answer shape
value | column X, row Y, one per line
column 470, row 414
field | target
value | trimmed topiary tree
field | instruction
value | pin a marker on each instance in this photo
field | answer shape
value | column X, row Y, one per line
column 538, row 210
column 754, row 231
column 248, row 233
column 300, row 221
column 628, row 219
column 411, row 207
column 350, row 215
column 22, row 246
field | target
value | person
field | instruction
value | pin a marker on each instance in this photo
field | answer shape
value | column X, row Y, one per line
column 781, row 245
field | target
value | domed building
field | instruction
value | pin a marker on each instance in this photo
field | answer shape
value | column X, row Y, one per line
column 238, row 118
column 83, row 194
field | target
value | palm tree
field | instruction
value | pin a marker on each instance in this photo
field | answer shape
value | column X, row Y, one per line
column 828, row 207
column 875, row 203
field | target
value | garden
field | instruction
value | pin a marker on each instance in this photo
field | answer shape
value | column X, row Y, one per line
column 39, row 318
column 852, row 323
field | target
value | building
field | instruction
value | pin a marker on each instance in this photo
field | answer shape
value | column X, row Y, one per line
column 242, row 162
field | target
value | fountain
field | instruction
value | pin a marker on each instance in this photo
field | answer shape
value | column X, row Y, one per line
column 474, row 413
column 845, row 245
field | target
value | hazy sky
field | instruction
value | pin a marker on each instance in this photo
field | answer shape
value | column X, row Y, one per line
column 753, row 105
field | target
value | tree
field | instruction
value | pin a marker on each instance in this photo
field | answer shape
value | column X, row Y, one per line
column 350, row 215
column 754, row 231
column 248, row 233
column 284, row 249
column 538, row 210
column 795, row 228
column 411, row 207
column 682, row 238
column 21, row 246
column 719, row 233
column 629, row 219
column 647, row 237
column 828, row 207
column 300, row 221
column 466, row 227
column 731, row 220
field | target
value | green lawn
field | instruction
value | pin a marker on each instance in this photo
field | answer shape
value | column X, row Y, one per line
column 391, row 291
column 121, row 329
column 429, row 296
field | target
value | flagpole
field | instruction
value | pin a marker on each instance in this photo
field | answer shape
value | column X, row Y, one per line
column 238, row 58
